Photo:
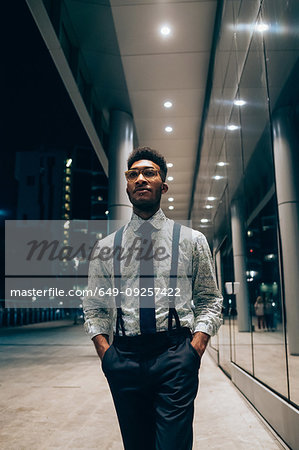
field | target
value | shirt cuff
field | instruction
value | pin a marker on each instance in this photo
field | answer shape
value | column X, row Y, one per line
column 95, row 327
column 207, row 328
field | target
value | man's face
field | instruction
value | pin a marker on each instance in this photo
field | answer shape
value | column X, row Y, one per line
column 146, row 193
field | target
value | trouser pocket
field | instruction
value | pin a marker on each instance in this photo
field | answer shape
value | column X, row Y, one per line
column 106, row 357
column 195, row 353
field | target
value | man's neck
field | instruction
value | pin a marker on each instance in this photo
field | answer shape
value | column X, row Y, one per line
column 145, row 214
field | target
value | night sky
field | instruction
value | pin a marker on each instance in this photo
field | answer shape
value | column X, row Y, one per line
column 37, row 110
column 35, row 107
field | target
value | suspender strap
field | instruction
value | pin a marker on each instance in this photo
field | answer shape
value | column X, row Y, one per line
column 117, row 275
column 173, row 276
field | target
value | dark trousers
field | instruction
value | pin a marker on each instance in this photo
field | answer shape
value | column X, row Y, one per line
column 154, row 381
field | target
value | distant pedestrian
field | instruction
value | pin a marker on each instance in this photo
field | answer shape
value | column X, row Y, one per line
column 260, row 311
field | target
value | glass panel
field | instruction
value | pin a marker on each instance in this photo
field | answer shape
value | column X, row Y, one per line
column 281, row 47
column 269, row 362
column 264, row 287
column 241, row 323
column 225, row 341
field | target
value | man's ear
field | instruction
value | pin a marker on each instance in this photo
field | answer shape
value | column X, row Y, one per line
column 164, row 188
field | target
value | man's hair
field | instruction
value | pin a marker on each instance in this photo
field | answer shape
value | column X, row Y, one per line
column 151, row 155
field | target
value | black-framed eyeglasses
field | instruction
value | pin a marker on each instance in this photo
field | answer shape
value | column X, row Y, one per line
column 148, row 172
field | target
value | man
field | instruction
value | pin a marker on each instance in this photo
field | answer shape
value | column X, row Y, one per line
column 166, row 277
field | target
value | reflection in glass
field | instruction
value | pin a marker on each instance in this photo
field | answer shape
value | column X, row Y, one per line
column 266, row 307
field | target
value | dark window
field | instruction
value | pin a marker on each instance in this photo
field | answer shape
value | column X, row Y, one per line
column 30, row 180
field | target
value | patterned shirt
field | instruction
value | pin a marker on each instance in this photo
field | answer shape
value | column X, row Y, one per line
column 198, row 302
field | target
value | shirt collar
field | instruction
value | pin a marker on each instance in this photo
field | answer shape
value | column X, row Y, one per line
column 157, row 220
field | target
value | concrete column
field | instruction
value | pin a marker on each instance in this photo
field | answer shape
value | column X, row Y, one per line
column 239, row 252
column 286, row 158
column 120, row 146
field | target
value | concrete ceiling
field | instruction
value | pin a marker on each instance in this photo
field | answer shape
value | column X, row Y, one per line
column 174, row 68
column 133, row 67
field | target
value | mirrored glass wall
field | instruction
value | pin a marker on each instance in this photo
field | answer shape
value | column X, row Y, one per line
column 255, row 91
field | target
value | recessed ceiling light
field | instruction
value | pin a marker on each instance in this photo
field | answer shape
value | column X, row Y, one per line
column 217, row 177
column 239, row 102
column 165, row 30
column 211, row 199
column 261, row 27
column 171, row 207
column 170, row 199
column 168, row 104
column 107, row 212
column 168, row 129
column 221, row 164
column 169, row 165
column 232, row 127
column 170, row 178
column 208, row 206
column 204, row 220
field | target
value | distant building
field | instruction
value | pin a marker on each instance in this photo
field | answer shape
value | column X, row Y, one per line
column 55, row 185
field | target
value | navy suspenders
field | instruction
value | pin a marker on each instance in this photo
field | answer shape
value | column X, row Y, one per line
column 173, row 275
column 172, row 280
column 116, row 265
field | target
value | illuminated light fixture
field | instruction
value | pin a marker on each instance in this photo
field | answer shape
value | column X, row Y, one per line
column 67, row 179
column 221, row 164
column 249, row 233
column 167, row 104
column 100, row 198
column 66, row 225
column 168, row 129
column 169, row 165
column 211, row 199
column 239, row 102
column 232, row 127
column 208, row 206
column 171, row 207
column 170, row 178
column 204, row 220
column 69, row 162
column 217, row 177
column 107, row 212
column 269, row 257
column 67, row 206
column 60, row 303
column 170, row 199
column 165, row 30
column 261, row 27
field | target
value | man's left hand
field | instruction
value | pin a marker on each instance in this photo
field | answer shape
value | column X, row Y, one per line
column 200, row 341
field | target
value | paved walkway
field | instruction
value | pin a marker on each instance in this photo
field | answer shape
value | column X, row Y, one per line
column 53, row 395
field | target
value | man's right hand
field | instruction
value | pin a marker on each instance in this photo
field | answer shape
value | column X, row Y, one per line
column 101, row 344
